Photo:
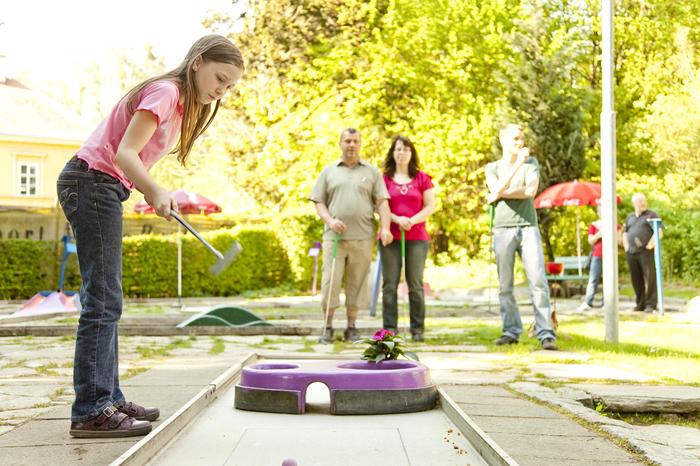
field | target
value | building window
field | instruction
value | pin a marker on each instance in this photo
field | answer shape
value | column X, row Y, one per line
column 28, row 178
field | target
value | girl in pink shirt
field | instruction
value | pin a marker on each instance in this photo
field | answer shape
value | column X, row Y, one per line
column 169, row 110
column 411, row 202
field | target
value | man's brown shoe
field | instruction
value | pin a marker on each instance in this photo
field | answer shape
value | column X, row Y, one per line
column 138, row 412
column 110, row 423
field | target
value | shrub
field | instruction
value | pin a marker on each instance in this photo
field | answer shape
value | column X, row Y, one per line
column 150, row 265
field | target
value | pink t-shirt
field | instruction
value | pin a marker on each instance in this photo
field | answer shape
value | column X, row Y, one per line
column 161, row 99
column 406, row 201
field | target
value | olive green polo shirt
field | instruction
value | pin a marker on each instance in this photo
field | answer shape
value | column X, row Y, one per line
column 514, row 212
column 350, row 195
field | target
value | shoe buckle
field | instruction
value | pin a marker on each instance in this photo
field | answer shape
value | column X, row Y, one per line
column 108, row 411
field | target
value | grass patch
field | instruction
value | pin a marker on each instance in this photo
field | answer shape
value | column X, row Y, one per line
column 67, row 321
column 268, row 343
column 662, row 349
column 308, row 345
column 18, row 363
column 149, row 352
column 218, row 346
column 133, row 372
column 47, row 369
column 648, row 419
column 59, row 392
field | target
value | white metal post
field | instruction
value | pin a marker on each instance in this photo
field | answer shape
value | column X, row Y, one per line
column 608, row 170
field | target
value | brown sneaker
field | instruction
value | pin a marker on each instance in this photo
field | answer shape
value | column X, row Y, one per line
column 110, row 423
column 138, row 412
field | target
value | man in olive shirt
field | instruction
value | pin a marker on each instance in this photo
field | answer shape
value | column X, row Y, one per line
column 512, row 182
column 346, row 195
column 639, row 242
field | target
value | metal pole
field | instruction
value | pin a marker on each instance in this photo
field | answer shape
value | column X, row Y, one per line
column 376, row 282
column 657, row 262
column 608, row 170
column 179, row 264
column 578, row 243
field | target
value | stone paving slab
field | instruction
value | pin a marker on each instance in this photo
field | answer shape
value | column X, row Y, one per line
column 527, row 460
column 533, row 426
column 559, row 450
column 644, row 398
column 21, row 402
column 511, row 412
column 664, row 447
column 141, row 395
column 45, row 439
column 586, row 371
column 533, row 434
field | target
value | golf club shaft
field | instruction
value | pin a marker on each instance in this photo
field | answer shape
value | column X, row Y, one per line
column 403, row 268
column 189, row 228
column 492, row 254
column 330, row 286
column 403, row 255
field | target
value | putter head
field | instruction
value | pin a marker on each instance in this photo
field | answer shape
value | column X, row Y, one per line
column 221, row 264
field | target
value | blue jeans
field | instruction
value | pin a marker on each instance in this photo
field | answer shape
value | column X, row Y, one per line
column 595, row 278
column 92, row 203
column 526, row 241
column 416, row 252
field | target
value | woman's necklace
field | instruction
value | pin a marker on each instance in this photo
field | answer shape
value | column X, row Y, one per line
column 403, row 187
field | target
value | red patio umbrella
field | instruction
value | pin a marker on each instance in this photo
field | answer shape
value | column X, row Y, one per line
column 571, row 193
column 187, row 203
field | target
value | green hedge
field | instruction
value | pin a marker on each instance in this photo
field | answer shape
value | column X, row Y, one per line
column 300, row 232
column 150, row 265
column 680, row 244
column 24, row 267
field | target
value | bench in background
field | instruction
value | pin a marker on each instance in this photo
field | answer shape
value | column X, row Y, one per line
column 569, row 281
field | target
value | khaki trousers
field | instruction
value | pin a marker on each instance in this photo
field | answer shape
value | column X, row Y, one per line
column 352, row 261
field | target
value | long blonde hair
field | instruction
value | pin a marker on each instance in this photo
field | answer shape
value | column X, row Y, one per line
column 196, row 117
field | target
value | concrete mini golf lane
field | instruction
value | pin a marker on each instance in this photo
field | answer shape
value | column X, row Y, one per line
column 222, row 435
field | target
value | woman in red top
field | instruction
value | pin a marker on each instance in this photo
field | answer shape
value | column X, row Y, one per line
column 411, row 203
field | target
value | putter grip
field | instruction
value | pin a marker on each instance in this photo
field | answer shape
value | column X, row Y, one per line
column 189, row 228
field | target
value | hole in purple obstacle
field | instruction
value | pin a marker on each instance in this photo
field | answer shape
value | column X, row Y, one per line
column 318, row 398
column 268, row 367
column 379, row 366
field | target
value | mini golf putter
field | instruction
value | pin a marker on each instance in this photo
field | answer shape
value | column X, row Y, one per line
column 224, row 260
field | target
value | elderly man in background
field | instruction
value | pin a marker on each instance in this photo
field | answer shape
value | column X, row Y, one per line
column 639, row 242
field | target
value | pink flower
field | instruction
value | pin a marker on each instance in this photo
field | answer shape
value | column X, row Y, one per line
column 382, row 335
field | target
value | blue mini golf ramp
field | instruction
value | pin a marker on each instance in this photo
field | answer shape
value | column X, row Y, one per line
column 225, row 316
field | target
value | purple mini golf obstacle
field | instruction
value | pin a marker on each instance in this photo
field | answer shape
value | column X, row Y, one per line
column 356, row 387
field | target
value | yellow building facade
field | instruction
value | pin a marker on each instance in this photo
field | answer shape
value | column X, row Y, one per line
column 37, row 137
column 29, row 168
